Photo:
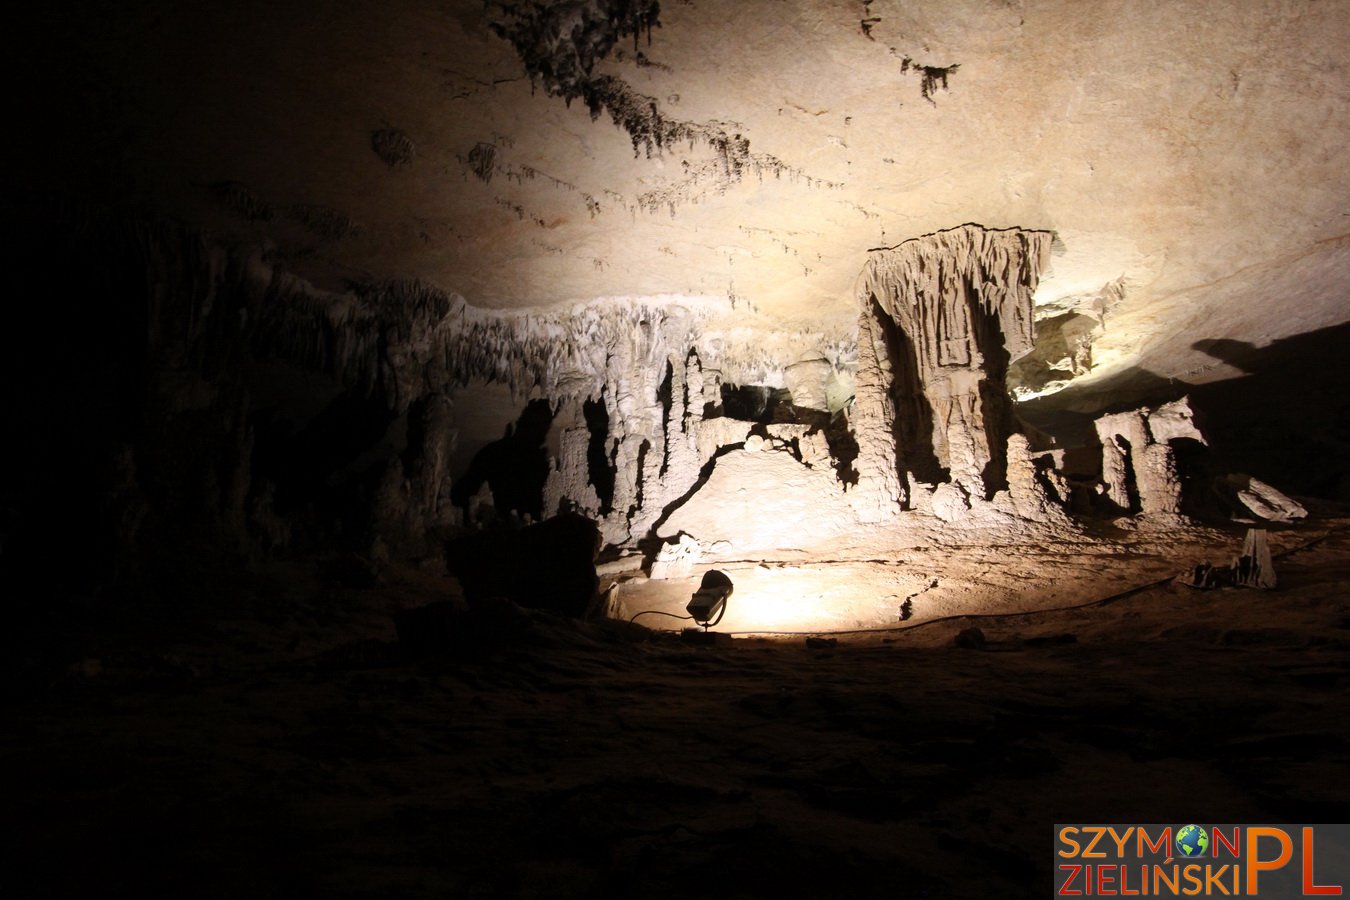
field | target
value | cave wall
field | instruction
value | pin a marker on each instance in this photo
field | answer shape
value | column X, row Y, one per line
column 934, row 438
column 178, row 395
column 206, row 402
column 123, row 386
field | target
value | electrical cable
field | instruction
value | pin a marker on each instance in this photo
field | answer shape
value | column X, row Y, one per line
column 657, row 612
column 720, row 613
column 706, row 625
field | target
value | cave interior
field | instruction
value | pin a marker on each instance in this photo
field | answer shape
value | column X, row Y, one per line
column 382, row 381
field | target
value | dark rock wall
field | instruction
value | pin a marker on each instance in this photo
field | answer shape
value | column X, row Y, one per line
column 169, row 399
column 123, row 390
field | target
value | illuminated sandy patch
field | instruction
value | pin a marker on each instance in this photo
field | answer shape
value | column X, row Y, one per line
column 830, row 596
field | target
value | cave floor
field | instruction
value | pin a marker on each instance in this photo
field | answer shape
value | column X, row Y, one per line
column 290, row 750
column 799, row 595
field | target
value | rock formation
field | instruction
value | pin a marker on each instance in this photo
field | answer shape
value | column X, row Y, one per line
column 641, row 361
column 761, row 500
column 677, row 558
column 350, row 415
column 303, row 348
column 1254, row 567
column 941, row 317
column 808, row 380
column 1031, row 494
column 1264, row 500
column 1139, row 461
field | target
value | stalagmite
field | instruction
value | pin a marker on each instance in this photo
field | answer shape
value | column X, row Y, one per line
column 950, row 502
column 1028, row 496
column 1254, row 568
column 1156, row 476
column 1138, row 461
column 879, row 491
column 413, row 499
column 678, row 466
column 1120, row 434
column 630, row 459
column 814, row 449
column 568, row 485
column 712, row 388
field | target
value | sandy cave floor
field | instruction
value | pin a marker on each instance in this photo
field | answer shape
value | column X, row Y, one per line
column 821, row 596
column 290, row 749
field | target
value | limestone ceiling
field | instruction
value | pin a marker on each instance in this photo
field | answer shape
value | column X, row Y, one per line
column 1192, row 154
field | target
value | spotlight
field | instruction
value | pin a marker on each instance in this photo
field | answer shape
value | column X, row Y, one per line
column 709, row 602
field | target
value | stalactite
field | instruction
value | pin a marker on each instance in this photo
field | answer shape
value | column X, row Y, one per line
column 404, row 348
column 405, row 338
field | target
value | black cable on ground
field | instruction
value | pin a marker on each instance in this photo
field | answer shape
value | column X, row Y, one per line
column 657, row 612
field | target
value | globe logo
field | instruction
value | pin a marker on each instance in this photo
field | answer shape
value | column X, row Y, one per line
column 1192, row 840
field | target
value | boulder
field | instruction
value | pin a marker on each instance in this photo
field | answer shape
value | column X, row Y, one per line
column 550, row 565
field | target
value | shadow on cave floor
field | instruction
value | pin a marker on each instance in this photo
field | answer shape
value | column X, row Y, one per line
column 574, row 761
column 1286, row 421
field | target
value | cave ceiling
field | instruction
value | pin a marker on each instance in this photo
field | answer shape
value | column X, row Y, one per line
column 1190, row 157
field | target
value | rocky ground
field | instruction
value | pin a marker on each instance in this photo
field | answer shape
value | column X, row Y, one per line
column 294, row 748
